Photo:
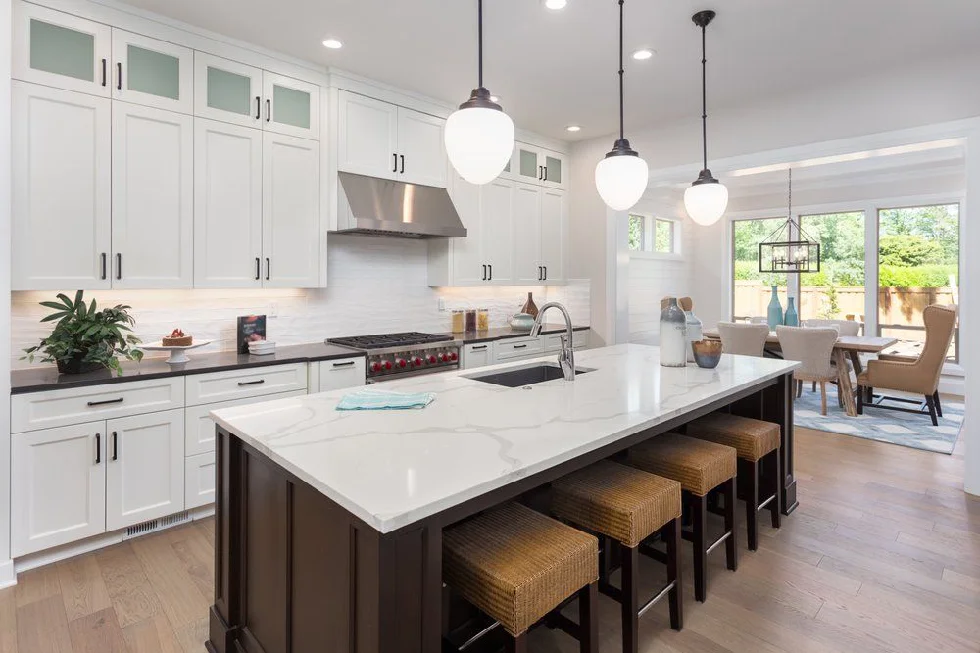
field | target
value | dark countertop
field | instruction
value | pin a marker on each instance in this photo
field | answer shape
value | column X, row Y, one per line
column 47, row 378
column 499, row 333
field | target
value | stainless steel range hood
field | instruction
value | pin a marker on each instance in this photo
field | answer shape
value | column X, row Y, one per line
column 381, row 207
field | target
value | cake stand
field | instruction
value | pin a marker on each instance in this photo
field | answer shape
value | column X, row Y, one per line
column 177, row 354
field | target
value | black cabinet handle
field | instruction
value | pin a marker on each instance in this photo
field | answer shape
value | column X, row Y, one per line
column 347, row 364
column 403, row 162
column 268, row 268
column 258, row 268
column 395, row 169
column 98, row 448
column 484, row 272
column 479, row 348
column 258, row 108
column 520, row 346
column 259, row 382
column 105, row 402
column 490, row 278
column 105, row 72
column 115, row 446
column 540, row 273
column 546, row 268
column 119, row 81
column 268, row 110
column 104, row 263
column 118, row 265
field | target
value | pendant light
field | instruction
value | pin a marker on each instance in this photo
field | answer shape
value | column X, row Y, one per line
column 621, row 178
column 707, row 199
column 789, row 249
column 479, row 136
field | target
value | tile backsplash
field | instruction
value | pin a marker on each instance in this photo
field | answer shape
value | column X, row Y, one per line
column 376, row 285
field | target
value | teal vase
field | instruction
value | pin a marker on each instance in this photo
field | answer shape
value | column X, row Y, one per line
column 791, row 318
column 775, row 311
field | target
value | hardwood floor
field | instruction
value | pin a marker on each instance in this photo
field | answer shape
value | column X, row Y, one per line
column 882, row 555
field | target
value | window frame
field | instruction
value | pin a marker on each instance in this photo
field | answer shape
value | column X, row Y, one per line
column 648, row 235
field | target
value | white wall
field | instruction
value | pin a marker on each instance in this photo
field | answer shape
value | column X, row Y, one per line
column 6, row 568
column 377, row 285
column 970, row 318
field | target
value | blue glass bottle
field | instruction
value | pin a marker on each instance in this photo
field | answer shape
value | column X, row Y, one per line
column 775, row 317
column 791, row 318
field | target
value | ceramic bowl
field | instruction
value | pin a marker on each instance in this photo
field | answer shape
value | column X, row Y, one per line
column 707, row 353
column 522, row 322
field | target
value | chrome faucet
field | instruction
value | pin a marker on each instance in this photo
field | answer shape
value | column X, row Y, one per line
column 566, row 359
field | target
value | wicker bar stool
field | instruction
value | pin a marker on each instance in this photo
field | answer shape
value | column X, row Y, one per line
column 626, row 506
column 517, row 566
column 757, row 444
column 700, row 467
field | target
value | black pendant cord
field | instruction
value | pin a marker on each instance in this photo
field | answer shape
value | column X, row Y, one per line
column 621, row 92
column 704, row 92
column 479, row 37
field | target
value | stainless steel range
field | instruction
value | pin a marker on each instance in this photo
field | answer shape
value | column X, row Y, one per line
column 399, row 355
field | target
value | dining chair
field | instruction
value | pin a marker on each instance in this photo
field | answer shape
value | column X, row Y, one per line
column 684, row 303
column 844, row 327
column 813, row 348
column 758, row 319
column 743, row 339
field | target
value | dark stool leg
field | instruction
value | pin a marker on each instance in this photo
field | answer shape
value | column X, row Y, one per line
column 675, row 597
column 729, row 490
column 699, row 511
column 517, row 644
column 751, row 477
column 630, row 594
column 588, row 618
column 775, row 465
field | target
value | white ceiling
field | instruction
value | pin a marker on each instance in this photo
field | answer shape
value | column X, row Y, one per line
column 552, row 69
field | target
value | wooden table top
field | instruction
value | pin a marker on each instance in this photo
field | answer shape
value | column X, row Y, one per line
column 867, row 344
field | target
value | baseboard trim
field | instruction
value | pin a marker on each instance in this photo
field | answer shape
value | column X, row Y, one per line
column 8, row 576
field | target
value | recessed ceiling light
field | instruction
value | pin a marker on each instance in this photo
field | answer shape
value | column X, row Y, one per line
column 573, row 128
column 643, row 55
column 555, row 4
column 333, row 44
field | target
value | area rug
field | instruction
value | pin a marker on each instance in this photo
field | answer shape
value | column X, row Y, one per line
column 889, row 426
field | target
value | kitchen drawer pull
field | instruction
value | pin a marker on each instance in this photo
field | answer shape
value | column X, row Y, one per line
column 520, row 346
column 105, row 402
column 98, row 448
column 347, row 364
column 479, row 348
column 115, row 446
column 259, row 382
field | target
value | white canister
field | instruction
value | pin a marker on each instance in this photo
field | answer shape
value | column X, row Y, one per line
column 673, row 336
column 695, row 332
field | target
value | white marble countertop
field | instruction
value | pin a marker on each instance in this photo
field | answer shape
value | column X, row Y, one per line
column 393, row 468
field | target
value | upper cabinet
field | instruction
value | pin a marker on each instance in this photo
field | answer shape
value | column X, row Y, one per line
column 383, row 140
column 290, row 107
column 151, row 72
column 538, row 166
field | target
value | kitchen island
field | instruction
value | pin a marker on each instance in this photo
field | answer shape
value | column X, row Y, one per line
column 329, row 523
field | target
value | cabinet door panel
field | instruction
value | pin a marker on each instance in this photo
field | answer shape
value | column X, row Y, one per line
column 468, row 262
column 152, row 198
column 291, row 213
column 497, row 216
column 62, row 181
column 227, row 205
column 199, row 427
column 554, row 235
column 554, row 169
column 227, row 91
column 528, row 268
column 420, row 142
column 60, row 50
column 145, row 468
column 290, row 107
column 151, row 72
column 478, row 355
column 530, row 164
column 368, row 131
column 200, row 472
column 57, row 486
column 347, row 373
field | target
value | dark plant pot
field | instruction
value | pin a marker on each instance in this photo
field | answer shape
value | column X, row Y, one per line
column 77, row 366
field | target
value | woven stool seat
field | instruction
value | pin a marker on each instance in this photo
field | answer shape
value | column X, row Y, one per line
column 698, row 465
column 751, row 438
column 622, row 502
column 516, row 565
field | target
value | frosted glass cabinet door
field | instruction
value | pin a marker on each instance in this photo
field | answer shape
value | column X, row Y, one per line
column 290, row 107
column 60, row 50
column 554, row 169
column 151, row 72
column 529, row 164
column 227, row 91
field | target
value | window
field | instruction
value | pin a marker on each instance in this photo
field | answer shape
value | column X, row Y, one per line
column 652, row 235
column 753, row 289
column 918, row 265
column 837, row 291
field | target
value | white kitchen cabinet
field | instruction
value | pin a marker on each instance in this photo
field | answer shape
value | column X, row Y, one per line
column 227, row 206
column 62, row 180
column 290, row 107
column 240, row 384
column 60, row 50
column 528, row 268
column 552, row 341
column 200, row 474
column 538, row 166
column 511, row 349
column 144, row 468
column 554, row 235
column 339, row 373
column 151, row 72
column 227, row 91
column 291, row 212
column 199, row 427
column 497, row 215
column 152, row 198
column 477, row 355
column 57, row 486
column 421, row 149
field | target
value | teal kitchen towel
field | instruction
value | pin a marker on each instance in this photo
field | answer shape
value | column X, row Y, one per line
column 381, row 400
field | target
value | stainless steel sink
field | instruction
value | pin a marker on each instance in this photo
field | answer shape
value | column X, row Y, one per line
column 525, row 375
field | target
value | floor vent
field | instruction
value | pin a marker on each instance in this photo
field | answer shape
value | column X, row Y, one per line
column 157, row 524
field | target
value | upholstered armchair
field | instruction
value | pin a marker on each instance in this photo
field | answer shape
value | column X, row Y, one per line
column 918, row 376
column 743, row 339
column 813, row 348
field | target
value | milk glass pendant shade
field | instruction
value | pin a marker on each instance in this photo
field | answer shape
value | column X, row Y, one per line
column 707, row 199
column 621, row 178
column 479, row 136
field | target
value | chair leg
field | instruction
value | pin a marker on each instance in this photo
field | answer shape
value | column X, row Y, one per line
column 823, row 398
column 700, row 515
column 813, row 388
column 751, row 477
column 517, row 644
column 630, row 597
column 860, row 401
column 675, row 597
column 776, row 505
column 939, row 404
column 588, row 618
column 931, row 403
column 730, row 492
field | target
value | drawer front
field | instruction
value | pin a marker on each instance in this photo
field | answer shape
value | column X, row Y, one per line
column 199, row 427
column 240, row 384
column 511, row 348
column 580, row 340
column 477, row 355
column 199, row 480
column 345, row 373
column 44, row 410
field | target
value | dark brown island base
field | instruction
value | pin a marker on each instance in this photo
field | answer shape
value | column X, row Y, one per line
column 298, row 573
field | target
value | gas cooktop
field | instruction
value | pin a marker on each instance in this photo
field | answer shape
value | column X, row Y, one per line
column 386, row 341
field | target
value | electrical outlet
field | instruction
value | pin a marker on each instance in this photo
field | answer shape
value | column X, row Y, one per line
column 442, row 304
column 274, row 309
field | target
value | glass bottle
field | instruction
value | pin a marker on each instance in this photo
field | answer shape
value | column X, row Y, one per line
column 673, row 336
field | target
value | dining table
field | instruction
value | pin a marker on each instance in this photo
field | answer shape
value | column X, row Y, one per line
column 846, row 348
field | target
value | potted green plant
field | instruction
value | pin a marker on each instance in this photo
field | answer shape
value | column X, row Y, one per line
column 85, row 339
